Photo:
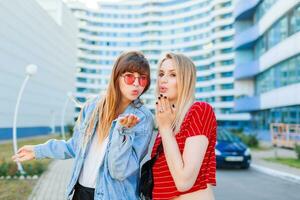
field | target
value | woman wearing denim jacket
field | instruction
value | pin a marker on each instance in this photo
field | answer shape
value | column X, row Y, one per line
column 110, row 138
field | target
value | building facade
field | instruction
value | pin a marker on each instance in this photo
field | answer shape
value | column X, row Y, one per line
column 201, row 29
column 267, row 72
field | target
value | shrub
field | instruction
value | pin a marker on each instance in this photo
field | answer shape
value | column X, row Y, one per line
column 31, row 168
column 70, row 129
column 297, row 150
column 250, row 140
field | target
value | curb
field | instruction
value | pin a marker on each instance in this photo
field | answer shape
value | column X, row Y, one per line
column 276, row 173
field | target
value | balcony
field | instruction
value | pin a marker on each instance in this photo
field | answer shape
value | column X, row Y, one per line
column 246, row 39
column 246, row 70
column 247, row 104
column 245, row 9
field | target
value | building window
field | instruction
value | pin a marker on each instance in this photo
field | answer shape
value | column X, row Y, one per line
column 227, row 86
column 226, row 98
column 295, row 20
column 226, row 74
column 278, row 32
column 282, row 74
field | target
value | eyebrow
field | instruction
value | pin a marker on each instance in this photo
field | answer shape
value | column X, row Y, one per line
column 172, row 70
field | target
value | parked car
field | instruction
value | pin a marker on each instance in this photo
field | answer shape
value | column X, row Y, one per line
column 230, row 151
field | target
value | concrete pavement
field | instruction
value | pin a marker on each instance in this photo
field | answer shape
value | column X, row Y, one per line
column 52, row 184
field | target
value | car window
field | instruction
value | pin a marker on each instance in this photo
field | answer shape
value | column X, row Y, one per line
column 225, row 135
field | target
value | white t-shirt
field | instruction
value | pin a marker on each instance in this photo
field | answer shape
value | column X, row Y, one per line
column 93, row 160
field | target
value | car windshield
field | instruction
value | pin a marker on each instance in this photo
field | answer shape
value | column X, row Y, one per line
column 225, row 135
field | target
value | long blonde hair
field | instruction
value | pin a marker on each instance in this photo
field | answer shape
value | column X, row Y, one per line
column 106, row 109
column 186, row 81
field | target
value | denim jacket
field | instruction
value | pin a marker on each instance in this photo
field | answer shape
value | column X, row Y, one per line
column 119, row 172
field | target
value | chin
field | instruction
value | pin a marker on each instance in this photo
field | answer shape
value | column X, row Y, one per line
column 132, row 98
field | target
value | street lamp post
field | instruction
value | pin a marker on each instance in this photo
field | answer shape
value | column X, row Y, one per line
column 62, row 126
column 30, row 71
column 69, row 97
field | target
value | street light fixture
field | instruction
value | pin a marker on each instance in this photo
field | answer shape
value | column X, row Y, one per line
column 30, row 71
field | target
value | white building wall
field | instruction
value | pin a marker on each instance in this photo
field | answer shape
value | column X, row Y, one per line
column 29, row 35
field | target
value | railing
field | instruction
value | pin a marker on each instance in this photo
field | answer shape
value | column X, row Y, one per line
column 285, row 135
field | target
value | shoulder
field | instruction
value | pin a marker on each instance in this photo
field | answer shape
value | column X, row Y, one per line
column 145, row 113
column 202, row 108
column 89, row 106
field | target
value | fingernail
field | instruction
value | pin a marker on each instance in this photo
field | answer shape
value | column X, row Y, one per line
column 161, row 95
column 158, row 97
column 173, row 106
column 165, row 97
column 156, row 103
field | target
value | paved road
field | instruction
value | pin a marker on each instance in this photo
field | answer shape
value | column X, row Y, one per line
column 250, row 184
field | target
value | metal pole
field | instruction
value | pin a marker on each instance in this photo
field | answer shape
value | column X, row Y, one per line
column 15, row 145
column 62, row 127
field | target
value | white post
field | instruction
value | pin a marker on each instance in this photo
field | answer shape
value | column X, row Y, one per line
column 62, row 123
column 52, row 121
column 77, row 103
column 30, row 70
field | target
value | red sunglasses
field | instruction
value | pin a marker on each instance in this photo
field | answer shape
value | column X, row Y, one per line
column 130, row 78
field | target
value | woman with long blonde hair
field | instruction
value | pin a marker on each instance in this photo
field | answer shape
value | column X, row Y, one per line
column 111, row 136
column 185, row 168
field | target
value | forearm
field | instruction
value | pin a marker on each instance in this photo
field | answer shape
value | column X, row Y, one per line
column 172, row 153
column 57, row 149
column 183, row 175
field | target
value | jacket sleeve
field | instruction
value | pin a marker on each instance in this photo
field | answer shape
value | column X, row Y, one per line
column 128, row 147
column 61, row 149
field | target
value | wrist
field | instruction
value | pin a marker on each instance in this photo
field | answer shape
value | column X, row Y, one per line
column 165, row 131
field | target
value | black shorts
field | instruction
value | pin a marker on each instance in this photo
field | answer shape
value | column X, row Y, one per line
column 83, row 193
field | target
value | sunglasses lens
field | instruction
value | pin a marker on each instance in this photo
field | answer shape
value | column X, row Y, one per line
column 129, row 79
column 143, row 81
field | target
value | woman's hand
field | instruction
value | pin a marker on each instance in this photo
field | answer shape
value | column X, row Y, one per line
column 165, row 113
column 129, row 120
column 24, row 153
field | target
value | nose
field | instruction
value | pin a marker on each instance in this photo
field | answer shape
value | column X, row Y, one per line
column 136, row 81
column 164, row 79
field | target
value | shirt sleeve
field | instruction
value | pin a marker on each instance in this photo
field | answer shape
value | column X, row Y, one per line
column 200, row 120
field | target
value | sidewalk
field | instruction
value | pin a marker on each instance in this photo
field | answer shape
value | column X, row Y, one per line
column 53, row 183
column 275, row 169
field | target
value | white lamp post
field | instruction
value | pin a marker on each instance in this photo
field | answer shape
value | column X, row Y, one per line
column 70, row 97
column 62, row 126
column 30, row 71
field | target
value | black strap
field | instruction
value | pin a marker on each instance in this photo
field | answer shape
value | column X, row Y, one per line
column 158, row 151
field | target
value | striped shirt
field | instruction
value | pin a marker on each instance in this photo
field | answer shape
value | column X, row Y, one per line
column 199, row 120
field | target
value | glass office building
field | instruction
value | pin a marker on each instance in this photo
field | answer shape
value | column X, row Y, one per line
column 267, row 73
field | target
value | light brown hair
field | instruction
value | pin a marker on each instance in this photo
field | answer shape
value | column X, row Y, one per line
column 107, row 107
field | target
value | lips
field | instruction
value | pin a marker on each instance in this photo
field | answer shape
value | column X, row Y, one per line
column 163, row 89
column 135, row 92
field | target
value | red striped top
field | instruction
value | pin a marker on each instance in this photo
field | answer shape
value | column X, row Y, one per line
column 200, row 120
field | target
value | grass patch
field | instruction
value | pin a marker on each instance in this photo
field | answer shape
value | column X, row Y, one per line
column 21, row 189
column 16, row 189
column 261, row 148
column 6, row 149
column 292, row 162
